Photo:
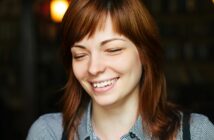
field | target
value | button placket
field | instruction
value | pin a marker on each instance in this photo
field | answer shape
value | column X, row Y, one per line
column 87, row 138
column 132, row 135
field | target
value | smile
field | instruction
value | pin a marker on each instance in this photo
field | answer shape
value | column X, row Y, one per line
column 105, row 83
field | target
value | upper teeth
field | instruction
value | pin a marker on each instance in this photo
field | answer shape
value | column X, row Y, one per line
column 104, row 83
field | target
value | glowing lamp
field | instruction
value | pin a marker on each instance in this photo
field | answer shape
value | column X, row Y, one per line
column 58, row 9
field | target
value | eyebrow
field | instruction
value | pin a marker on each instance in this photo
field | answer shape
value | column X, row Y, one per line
column 110, row 40
column 78, row 46
column 101, row 44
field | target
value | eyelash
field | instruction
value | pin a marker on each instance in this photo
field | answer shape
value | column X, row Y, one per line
column 117, row 50
column 79, row 56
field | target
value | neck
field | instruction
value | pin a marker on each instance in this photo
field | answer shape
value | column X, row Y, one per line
column 115, row 119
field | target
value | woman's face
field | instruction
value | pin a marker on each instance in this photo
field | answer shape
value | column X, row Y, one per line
column 108, row 67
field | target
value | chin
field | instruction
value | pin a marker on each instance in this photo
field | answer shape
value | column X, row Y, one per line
column 105, row 102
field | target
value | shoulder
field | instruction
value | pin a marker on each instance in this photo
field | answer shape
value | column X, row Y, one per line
column 48, row 126
column 201, row 127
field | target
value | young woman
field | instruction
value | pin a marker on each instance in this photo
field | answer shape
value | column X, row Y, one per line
column 116, row 85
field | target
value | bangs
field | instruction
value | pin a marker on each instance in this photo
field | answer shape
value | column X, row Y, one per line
column 84, row 17
column 91, row 16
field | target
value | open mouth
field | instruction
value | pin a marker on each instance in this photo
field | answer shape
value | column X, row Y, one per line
column 104, row 85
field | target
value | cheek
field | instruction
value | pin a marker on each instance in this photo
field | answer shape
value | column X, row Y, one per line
column 79, row 70
column 127, row 63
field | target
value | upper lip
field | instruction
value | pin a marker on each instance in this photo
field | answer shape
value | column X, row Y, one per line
column 98, row 81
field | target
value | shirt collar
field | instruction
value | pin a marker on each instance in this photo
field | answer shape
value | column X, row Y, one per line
column 138, row 130
column 85, row 128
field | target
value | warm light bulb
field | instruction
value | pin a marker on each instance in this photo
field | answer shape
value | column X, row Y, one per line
column 58, row 9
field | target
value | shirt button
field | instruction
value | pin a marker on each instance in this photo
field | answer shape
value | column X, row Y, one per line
column 132, row 135
column 87, row 138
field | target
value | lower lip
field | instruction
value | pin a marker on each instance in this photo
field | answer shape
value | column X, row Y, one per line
column 104, row 89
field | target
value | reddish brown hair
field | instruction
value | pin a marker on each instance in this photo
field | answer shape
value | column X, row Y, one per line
column 132, row 19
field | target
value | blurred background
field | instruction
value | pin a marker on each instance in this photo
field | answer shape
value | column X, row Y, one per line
column 32, row 75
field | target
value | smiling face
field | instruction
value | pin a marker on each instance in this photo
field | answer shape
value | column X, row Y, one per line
column 108, row 67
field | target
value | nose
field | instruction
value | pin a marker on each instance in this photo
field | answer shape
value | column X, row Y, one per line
column 96, row 65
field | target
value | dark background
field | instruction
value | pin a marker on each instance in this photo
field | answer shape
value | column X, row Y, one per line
column 32, row 75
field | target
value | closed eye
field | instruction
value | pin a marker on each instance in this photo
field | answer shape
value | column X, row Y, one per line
column 79, row 56
column 114, row 50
